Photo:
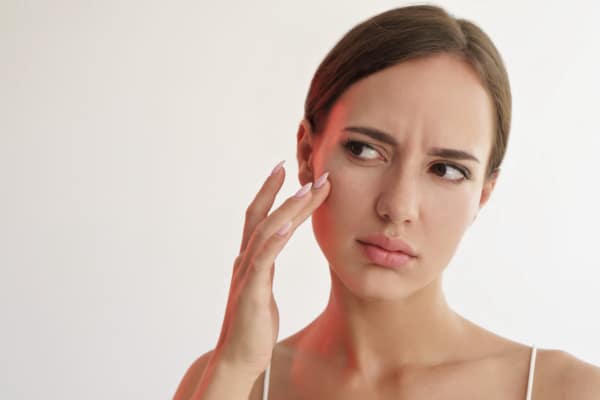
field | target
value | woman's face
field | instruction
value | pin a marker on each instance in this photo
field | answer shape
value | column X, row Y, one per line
column 391, row 183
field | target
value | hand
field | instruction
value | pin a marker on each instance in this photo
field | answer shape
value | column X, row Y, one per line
column 251, row 324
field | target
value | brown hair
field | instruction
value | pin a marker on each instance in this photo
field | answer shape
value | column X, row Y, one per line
column 406, row 33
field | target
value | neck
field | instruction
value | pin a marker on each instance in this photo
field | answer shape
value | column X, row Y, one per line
column 370, row 337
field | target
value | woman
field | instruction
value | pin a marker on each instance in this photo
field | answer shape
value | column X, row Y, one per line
column 406, row 125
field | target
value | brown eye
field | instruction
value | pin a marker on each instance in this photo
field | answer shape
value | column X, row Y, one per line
column 357, row 148
column 456, row 174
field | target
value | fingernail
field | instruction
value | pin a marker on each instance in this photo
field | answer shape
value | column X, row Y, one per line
column 303, row 190
column 285, row 228
column 321, row 181
column 277, row 168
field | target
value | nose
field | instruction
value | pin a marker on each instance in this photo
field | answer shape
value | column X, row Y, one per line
column 398, row 200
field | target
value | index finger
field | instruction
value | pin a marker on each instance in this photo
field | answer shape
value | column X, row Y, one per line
column 262, row 203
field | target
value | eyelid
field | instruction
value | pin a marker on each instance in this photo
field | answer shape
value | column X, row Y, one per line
column 347, row 142
column 462, row 169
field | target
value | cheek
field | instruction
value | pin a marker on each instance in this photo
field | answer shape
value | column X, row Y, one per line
column 340, row 209
column 448, row 208
column 345, row 213
column 447, row 217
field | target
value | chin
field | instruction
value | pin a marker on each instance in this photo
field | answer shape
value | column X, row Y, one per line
column 372, row 283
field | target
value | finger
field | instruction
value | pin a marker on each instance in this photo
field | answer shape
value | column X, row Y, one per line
column 298, row 214
column 262, row 203
column 267, row 227
column 236, row 266
column 263, row 249
column 318, row 197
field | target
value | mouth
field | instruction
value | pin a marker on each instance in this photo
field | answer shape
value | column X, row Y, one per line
column 384, row 257
column 388, row 243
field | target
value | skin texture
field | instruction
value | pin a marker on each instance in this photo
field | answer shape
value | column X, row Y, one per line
column 379, row 319
column 389, row 333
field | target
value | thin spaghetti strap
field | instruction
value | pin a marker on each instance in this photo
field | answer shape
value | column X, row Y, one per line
column 531, row 371
column 265, row 395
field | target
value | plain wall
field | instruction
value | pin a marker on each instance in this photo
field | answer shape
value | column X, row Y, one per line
column 134, row 134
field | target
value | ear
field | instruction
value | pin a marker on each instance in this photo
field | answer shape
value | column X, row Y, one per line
column 304, row 152
column 487, row 189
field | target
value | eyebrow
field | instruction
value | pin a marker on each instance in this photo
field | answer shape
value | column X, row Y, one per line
column 389, row 139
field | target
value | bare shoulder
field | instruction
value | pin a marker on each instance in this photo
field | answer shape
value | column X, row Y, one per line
column 192, row 377
column 560, row 375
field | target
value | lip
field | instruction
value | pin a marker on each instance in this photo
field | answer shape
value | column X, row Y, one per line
column 385, row 258
column 388, row 244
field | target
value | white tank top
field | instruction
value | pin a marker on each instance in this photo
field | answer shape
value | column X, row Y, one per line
column 529, row 380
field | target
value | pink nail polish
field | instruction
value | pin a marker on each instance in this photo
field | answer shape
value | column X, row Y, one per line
column 303, row 190
column 321, row 181
column 277, row 168
column 285, row 228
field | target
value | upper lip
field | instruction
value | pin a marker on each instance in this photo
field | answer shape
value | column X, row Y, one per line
column 388, row 243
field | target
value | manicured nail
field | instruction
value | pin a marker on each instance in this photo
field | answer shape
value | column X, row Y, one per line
column 285, row 228
column 321, row 181
column 277, row 168
column 303, row 190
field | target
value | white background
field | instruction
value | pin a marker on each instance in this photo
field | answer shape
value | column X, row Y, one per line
column 133, row 135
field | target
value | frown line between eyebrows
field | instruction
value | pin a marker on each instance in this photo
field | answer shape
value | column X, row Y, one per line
column 389, row 139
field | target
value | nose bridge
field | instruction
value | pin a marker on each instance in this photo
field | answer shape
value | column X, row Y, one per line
column 399, row 195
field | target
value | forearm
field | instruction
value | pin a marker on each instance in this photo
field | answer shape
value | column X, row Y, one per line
column 221, row 381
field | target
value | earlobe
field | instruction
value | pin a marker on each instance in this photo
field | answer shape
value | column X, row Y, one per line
column 488, row 188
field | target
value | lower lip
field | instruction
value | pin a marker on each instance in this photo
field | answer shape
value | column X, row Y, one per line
column 384, row 258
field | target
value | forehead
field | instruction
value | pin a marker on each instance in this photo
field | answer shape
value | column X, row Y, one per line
column 437, row 98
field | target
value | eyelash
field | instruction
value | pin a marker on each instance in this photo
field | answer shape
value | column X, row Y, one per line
column 465, row 173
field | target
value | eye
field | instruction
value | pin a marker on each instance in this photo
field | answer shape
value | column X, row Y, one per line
column 357, row 148
column 457, row 174
column 361, row 151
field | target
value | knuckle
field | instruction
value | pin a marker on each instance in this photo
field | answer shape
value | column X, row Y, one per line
column 261, row 261
column 294, row 202
column 266, row 256
column 260, row 231
column 251, row 211
column 257, row 263
column 239, row 259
